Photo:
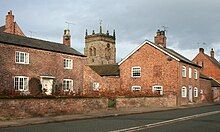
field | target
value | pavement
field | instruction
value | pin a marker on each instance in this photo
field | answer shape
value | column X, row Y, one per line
column 97, row 114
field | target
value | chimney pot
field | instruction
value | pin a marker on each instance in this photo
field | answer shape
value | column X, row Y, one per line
column 201, row 50
column 66, row 37
column 212, row 53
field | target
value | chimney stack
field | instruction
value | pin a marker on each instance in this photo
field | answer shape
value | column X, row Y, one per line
column 160, row 38
column 212, row 53
column 9, row 23
column 67, row 37
column 201, row 50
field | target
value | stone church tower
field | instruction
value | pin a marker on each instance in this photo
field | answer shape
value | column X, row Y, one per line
column 100, row 48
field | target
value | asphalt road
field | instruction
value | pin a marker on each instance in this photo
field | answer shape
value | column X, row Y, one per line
column 207, row 123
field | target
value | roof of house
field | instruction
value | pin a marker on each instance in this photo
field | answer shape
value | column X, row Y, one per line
column 106, row 70
column 2, row 28
column 215, row 83
column 212, row 59
column 204, row 76
column 167, row 51
column 22, row 41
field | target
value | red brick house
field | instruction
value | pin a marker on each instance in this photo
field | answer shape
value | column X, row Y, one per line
column 153, row 66
column 29, row 65
column 210, row 66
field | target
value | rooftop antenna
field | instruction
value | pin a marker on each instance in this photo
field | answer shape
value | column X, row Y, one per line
column 69, row 23
column 165, row 28
column 32, row 33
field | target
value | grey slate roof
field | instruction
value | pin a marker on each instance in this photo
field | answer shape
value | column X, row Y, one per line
column 214, row 83
column 204, row 76
column 11, row 39
column 213, row 60
column 2, row 28
column 177, row 55
column 106, row 70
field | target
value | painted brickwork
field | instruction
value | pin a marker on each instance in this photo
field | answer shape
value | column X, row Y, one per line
column 41, row 63
column 26, row 108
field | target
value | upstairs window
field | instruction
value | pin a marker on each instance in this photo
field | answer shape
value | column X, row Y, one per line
column 136, row 88
column 195, row 74
column 21, row 83
column 136, row 72
column 67, row 84
column 68, row 64
column 21, row 57
column 184, row 92
column 183, row 71
column 158, row 88
column 190, row 72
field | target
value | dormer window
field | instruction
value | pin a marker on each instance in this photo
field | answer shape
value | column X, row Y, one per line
column 68, row 64
column 21, row 57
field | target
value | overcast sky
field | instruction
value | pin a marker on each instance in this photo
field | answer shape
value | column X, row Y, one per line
column 191, row 23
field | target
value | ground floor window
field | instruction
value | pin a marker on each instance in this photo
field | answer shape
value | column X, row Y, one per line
column 158, row 88
column 67, row 84
column 196, row 92
column 184, row 92
column 136, row 88
column 21, row 83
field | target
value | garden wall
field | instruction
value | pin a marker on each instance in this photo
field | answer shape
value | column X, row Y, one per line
column 25, row 108
column 131, row 102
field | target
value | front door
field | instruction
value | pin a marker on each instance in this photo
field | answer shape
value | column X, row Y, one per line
column 47, row 86
column 190, row 94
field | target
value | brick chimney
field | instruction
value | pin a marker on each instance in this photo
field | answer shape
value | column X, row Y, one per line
column 212, row 53
column 201, row 50
column 66, row 37
column 160, row 38
column 9, row 23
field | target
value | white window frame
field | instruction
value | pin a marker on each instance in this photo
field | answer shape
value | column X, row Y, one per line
column 190, row 72
column 68, row 64
column 138, row 68
column 66, row 86
column 158, row 88
column 196, row 92
column 136, row 88
column 195, row 74
column 184, row 92
column 184, row 71
column 95, row 86
column 18, row 59
column 25, row 84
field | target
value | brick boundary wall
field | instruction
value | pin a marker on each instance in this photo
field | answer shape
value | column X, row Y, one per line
column 26, row 108
column 131, row 102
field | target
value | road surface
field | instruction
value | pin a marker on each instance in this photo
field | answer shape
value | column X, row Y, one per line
column 201, row 119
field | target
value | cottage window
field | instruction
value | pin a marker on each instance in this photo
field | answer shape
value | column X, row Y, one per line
column 136, row 72
column 21, row 57
column 21, row 83
column 184, row 92
column 158, row 88
column 190, row 72
column 196, row 92
column 136, row 88
column 183, row 71
column 67, row 84
column 68, row 64
column 195, row 74
column 95, row 86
